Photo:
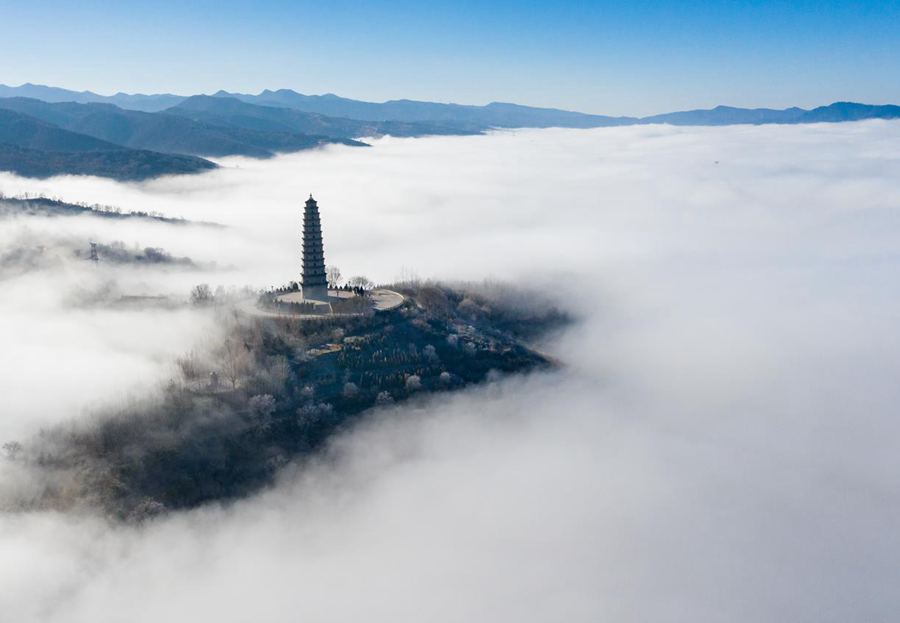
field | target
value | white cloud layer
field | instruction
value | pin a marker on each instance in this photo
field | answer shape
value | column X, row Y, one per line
column 720, row 447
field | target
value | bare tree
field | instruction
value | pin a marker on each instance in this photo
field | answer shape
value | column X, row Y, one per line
column 361, row 281
column 12, row 449
column 334, row 277
column 190, row 365
column 235, row 361
column 279, row 370
column 201, row 294
column 408, row 277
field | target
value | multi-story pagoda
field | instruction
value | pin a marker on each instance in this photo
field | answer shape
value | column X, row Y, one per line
column 314, row 283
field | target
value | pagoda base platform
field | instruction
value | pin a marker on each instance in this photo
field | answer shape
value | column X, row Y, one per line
column 340, row 302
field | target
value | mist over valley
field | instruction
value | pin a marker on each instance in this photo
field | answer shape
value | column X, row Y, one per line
column 715, row 435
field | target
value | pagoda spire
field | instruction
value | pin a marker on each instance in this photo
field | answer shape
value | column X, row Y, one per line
column 313, row 280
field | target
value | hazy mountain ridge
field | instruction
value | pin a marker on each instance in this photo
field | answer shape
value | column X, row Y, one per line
column 495, row 114
column 122, row 164
column 463, row 117
column 11, row 207
column 235, row 112
column 162, row 132
column 851, row 111
column 34, row 148
column 33, row 133
column 728, row 115
column 137, row 101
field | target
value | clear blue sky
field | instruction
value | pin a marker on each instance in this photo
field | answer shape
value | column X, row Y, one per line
column 627, row 57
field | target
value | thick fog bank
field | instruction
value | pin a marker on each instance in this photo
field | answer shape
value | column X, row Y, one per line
column 721, row 445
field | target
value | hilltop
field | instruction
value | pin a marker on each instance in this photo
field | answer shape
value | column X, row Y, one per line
column 277, row 390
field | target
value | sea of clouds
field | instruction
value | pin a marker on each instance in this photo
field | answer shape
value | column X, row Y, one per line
column 721, row 444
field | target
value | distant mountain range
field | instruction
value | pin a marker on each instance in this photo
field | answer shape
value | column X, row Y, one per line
column 48, row 131
column 727, row 115
column 458, row 117
column 494, row 115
